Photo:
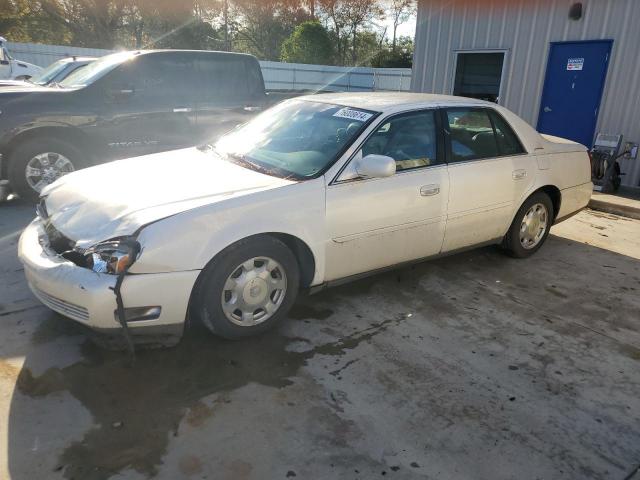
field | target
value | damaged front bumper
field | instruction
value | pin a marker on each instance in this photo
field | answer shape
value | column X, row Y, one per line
column 88, row 297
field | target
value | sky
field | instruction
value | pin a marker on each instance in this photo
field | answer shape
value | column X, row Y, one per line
column 407, row 29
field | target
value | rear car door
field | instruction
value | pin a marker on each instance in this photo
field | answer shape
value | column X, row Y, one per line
column 148, row 105
column 231, row 91
column 378, row 222
column 489, row 173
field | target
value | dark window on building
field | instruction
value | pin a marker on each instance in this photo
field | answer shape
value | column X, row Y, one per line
column 478, row 75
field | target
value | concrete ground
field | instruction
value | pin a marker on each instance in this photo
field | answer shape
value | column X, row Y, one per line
column 475, row 366
column 626, row 202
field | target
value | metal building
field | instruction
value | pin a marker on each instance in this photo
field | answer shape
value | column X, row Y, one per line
column 571, row 69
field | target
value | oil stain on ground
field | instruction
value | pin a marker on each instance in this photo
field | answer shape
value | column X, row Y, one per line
column 136, row 409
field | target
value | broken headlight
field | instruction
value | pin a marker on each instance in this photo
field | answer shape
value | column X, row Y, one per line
column 114, row 256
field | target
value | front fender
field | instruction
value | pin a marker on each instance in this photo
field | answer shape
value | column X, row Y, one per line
column 189, row 240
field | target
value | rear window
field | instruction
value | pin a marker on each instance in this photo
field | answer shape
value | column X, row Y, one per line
column 472, row 135
column 254, row 78
column 508, row 142
column 477, row 133
column 224, row 78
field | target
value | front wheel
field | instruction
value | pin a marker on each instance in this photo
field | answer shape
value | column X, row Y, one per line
column 248, row 288
column 39, row 162
column 530, row 226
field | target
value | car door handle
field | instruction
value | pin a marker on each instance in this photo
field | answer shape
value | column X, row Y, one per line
column 519, row 174
column 181, row 110
column 429, row 190
column 252, row 108
column 547, row 109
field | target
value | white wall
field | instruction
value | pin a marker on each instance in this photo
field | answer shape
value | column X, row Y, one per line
column 277, row 75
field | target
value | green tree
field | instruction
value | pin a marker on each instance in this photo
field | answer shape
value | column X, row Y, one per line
column 309, row 43
column 263, row 25
column 348, row 19
column 25, row 21
column 400, row 11
column 401, row 57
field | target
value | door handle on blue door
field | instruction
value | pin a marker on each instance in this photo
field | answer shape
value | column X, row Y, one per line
column 547, row 109
column 429, row 190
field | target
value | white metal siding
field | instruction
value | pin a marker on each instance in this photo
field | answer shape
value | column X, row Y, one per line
column 524, row 29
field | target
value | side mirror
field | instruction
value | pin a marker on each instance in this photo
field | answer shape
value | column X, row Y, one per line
column 375, row 166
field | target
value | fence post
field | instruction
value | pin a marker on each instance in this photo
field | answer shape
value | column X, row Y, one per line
column 294, row 79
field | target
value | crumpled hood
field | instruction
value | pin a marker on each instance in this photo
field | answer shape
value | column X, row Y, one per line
column 118, row 198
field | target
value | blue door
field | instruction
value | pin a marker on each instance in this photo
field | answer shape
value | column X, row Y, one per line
column 573, row 86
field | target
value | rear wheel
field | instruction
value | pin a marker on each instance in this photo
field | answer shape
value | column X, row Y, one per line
column 530, row 226
column 248, row 288
column 39, row 162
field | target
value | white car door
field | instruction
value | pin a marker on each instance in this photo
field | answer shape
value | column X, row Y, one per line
column 489, row 173
column 379, row 222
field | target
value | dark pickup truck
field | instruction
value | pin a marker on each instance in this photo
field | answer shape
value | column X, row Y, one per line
column 123, row 105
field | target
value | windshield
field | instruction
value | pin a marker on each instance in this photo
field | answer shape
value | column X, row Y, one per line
column 296, row 138
column 96, row 69
column 49, row 73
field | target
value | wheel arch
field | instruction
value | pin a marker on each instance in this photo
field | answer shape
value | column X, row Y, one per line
column 302, row 252
column 300, row 249
column 554, row 194
column 551, row 191
column 71, row 135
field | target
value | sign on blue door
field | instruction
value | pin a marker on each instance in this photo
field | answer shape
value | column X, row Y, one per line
column 576, row 73
column 575, row 63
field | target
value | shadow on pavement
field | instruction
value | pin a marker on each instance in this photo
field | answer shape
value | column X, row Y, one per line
column 578, row 291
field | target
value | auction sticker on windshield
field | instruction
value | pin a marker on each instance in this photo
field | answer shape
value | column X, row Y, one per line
column 352, row 114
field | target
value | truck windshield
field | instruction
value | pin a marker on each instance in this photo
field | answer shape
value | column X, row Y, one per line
column 49, row 73
column 96, row 69
column 297, row 138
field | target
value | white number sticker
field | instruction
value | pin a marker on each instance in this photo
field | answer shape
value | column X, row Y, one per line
column 352, row 114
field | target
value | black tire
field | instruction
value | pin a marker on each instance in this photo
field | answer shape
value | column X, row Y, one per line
column 24, row 152
column 511, row 242
column 207, row 299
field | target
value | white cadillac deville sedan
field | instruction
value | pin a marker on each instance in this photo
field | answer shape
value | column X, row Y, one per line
column 315, row 190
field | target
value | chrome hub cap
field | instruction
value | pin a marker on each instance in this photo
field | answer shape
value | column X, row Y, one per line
column 254, row 291
column 46, row 168
column 533, row 226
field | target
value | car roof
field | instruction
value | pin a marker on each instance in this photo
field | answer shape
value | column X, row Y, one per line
column 78, row 59
column 173, row 51
column 391, row 101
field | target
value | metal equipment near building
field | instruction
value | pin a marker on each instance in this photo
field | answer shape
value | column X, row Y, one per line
column 605, row 169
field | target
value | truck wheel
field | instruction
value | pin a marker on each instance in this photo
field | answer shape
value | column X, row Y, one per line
column 247, row 288
column 530, row 226
column 39, row 162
